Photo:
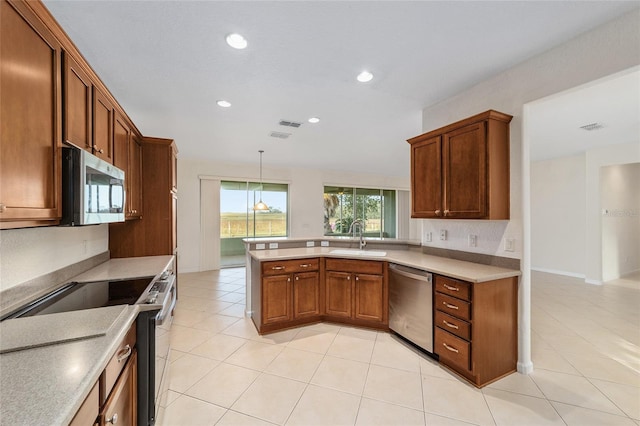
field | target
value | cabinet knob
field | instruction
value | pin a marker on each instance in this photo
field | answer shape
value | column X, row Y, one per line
column 437, row 212
column 3, row 208
column 297, row 278
column 113, row 420
column 446, row 212
column 357, row 279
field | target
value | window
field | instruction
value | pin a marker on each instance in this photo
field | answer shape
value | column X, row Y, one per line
column 238, row 220
column 376, row 207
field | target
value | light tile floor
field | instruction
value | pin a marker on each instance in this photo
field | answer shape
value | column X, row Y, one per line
column 585, row 350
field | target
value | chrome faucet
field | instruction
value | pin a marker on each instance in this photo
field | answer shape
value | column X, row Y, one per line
column 359, row 224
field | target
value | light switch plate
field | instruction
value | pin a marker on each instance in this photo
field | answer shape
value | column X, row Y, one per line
column 509, row 244
column 273, row 245
column 428, row 237
column 311, row 244
column 324, row 243
column 260, row 246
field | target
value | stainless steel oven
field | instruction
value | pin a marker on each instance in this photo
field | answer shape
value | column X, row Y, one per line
column 153, row 325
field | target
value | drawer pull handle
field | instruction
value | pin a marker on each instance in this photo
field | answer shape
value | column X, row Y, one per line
column 305, row 265
column 449, row 348
column 278, row 268
column 448, row 287
column 448, row 324
column 450, row 306
column 125, row 355
column 113, row 420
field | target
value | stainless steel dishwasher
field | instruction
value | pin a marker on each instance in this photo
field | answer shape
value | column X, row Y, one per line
column 411, row 305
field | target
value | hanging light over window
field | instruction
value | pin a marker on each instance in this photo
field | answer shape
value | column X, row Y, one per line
column 260, row 206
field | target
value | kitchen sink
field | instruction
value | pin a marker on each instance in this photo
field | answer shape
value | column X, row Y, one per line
column 356, row 252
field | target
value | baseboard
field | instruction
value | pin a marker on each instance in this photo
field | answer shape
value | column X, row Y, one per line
column 593, row 282
column 557, row 272
column 525, row 367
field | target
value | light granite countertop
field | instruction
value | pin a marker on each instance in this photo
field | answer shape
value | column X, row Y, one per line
column 126, row 268
column 46, row 385
column 467, row 271
column 347, row 239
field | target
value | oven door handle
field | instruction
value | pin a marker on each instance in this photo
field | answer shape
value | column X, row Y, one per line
column 167, row 306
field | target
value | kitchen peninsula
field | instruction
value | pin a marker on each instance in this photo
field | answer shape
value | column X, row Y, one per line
column 316, row 280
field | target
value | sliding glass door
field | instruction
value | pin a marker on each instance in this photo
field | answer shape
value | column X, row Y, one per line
column 238, row 220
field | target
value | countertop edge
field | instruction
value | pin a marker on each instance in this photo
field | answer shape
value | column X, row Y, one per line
column 496, row 273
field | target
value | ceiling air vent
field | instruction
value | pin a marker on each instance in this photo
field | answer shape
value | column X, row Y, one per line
column 279, row 135
column 592, row 126
column 290, row 123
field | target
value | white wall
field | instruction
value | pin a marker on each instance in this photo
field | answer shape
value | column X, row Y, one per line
column 608, row 49
column 29, row 253
column 558, row 215
column 306, row 187
column 620, row 194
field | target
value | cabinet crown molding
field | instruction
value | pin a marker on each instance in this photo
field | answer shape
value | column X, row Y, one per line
column 487, row 115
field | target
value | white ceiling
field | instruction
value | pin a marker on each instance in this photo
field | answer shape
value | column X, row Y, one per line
column 555, row 122
column 167, row 63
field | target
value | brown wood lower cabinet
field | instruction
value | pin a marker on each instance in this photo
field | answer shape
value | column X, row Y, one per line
column 121, row 407
column 357, row 292
column 289, row 293
column 476, row 327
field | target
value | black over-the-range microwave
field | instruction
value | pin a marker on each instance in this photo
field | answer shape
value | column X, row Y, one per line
column 92, row 190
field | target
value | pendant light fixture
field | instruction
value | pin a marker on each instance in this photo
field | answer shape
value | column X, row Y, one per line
column 260, row 206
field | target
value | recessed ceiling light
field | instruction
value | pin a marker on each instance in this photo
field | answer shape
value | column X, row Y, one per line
column 236, row 41
column 314, row 120
column 364, row 77
column 224, row 104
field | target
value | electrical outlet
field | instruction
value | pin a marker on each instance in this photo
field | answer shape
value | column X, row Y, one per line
column 443, row 234
column 311, row 244
column 324, row 243
column 473, row 240
column 428, row 237
column 273, row 245
column 260, row 246
column 509, row 244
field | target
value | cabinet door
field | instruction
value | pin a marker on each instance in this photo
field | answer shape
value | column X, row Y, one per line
column 426, row 178
column 121, row 140
column 77, row 104
column 306, row 294
column 369, row 297
column 30, row 119
column 338, row 294
column 120, row 407
column 276, row 299
column 465, row 172
column 102, row 126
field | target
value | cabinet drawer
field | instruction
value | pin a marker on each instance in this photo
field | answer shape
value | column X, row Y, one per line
column 356, row 266
column 453, row 325
column 289, row 266
column 452, row 306
column 455, row 288
column 452, row 350
column 117, row 362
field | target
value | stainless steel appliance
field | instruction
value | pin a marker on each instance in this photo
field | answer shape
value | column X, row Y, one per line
column 411, row 305
column 92, row 189
column 153, row 325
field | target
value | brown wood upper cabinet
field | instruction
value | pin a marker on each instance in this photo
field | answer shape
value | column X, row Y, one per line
column 127, row 155
column 461, row 171
column 88, row 113
column 30, row 117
